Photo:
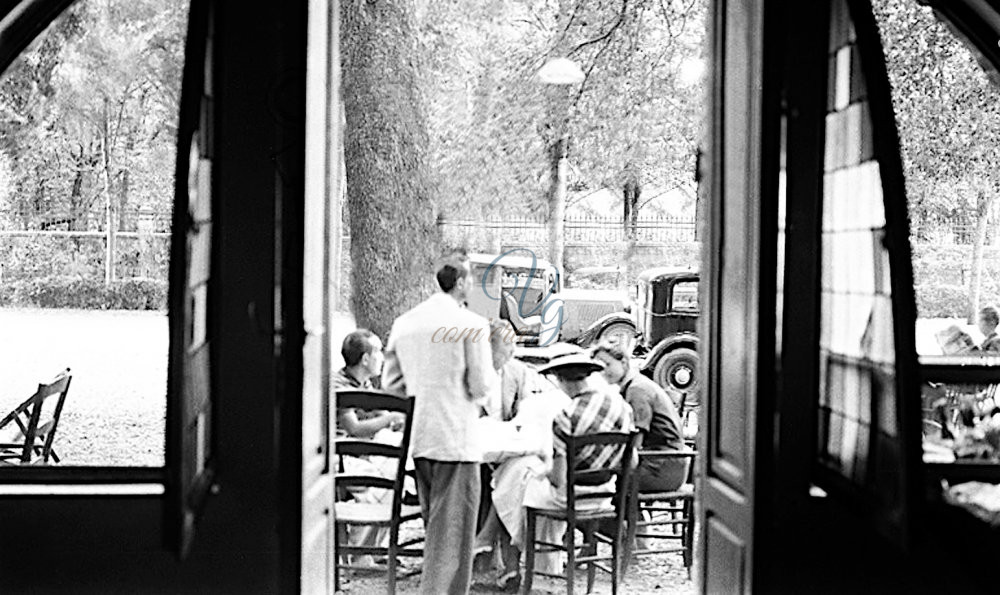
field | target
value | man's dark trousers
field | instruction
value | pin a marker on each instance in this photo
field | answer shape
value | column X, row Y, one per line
column 449, row 503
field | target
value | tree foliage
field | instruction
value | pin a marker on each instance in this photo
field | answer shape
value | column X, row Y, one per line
column 633, row 120
column 446, row 117
column 88, row 114
column 947, row 112
column 948, row 115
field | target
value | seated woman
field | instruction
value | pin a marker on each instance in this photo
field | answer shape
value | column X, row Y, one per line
column 537, row 481
column 655, row 415
column 517, row 383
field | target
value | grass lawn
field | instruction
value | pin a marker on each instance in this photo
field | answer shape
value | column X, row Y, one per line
column 114, row 412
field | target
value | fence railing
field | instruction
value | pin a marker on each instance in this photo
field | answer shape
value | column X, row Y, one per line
column 28, row 254
column 130, row 220
column 578, row 230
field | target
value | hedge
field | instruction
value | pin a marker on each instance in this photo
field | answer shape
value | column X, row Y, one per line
column 941, row 276
column 86, row 294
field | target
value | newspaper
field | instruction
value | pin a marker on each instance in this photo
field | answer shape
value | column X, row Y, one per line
column 954, row 340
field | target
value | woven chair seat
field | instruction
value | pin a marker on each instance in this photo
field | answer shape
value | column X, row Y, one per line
column 372, row 513
column 685, row 491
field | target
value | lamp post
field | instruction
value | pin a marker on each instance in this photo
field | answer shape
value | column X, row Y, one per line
column 564, row 73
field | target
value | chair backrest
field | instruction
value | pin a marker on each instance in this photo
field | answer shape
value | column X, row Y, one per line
column 619, row 467
column 690, row 455
column 374, row 400
column 32, row 425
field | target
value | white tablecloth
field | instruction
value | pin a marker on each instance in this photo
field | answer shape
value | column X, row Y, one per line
column 530, row 432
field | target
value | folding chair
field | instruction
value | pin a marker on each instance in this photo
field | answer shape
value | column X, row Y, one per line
column 24, row 437
column 587, row 519
column 672, row 511
column 392, row 513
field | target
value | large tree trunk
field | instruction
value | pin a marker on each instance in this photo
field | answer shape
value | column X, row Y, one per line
column 630, row 197
column 556, row 136
column 110, row 210
column 984, row 204
column 76, row 213
column 126, row 216
column 558, row 167
column 392, row 221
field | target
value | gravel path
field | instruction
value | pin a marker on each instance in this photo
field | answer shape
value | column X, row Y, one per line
column 662, row 574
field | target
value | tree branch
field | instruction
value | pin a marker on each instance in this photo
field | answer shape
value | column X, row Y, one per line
column 606, row 34
column 590, row 69
column 569, row 23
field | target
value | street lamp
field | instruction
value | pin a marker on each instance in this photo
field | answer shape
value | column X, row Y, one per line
column 561, row 72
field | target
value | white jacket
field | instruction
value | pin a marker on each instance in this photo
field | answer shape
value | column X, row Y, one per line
column 439, row 353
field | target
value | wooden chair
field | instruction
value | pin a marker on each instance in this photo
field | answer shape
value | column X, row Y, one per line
column 27, row 432
column 587, row 519
column 672, row 511
column 388, row 514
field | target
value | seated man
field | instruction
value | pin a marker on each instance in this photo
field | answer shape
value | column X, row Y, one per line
column 987, row 323
column 656, row 418
column 953, row 340
column 362, row 352
column 539, row 482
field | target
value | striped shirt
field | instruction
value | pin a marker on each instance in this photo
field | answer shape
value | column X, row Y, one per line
column 592, row 412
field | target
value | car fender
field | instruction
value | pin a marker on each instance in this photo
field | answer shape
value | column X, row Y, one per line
column 588, row 335
column 668, row 344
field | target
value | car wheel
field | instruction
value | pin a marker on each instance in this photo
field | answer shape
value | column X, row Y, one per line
column 676, row 372
column 622, row 333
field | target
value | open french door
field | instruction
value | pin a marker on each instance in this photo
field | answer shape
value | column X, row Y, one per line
column 321, row 238
column 808, row 328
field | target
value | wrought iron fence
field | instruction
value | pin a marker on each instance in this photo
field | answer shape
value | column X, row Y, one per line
column 578, row 230
column 130, row 219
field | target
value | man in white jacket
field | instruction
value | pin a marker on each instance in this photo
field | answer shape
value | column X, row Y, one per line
column 439, row 353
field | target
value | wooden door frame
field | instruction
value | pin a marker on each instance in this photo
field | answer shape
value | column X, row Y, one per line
column 740, row 175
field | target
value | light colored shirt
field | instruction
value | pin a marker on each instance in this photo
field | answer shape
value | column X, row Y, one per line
column 439, row 353
column 515, row 383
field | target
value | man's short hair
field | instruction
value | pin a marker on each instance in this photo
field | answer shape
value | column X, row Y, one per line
column 989, row 314
column 453, row 268
column 356, row 345
column 614, row 349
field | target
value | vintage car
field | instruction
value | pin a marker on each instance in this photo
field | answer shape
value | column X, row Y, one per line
column 666, row 314
column 529, row 292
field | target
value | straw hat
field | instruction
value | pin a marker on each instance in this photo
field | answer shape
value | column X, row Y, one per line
column 572, row 364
